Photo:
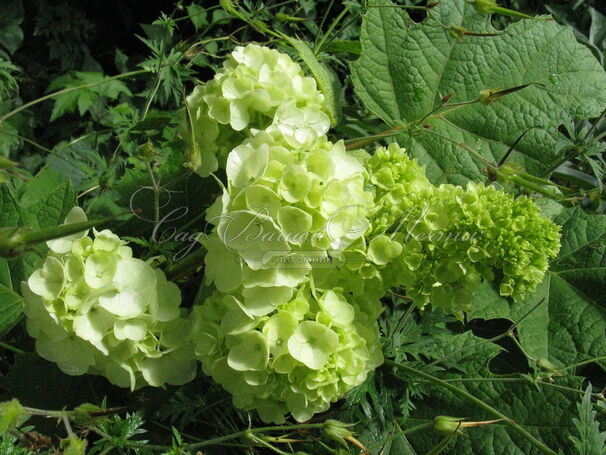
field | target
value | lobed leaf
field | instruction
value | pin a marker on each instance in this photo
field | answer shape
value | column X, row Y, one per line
column 406, row 68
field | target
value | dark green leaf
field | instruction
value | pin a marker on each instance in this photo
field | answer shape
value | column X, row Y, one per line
column 11, row 306
column 406, row 68
column 11, row 34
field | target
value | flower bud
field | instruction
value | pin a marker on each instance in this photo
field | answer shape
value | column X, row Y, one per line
column 446, row 424
column 489, row 96
column 457, row 31
column 484, row 6
column 548, row 367
column 338, row 431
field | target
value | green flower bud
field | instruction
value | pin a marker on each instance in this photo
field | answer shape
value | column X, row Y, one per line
column 484, row 6
column 548, row 367
column 489, row 96
column 446, row 424
column 338, row 431
column 458, row 31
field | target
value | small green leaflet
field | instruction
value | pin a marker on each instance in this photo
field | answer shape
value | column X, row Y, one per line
column 11, row 33
column 568, row 83
column 83, row 90
column 591, row 440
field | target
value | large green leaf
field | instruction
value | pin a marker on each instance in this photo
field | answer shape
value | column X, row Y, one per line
column 47, row 199
column 406, row 68
column 569, row 323
column 545, row 412
column 463, row 352
column 44, row 202
column 11, row 305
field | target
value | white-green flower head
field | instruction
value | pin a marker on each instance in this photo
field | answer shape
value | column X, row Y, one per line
column 94, row 308
column 256, row 88
column 283, row 210
column 282, row 351
column 301, row 127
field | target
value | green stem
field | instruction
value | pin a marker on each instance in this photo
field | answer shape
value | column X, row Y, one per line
column 524, row 381
column 68, row 426
column 512, row 13
column 66, row 229
column 254, row 430
column 467, row 396
column 595, row 124
column 186, row 265
column 221, row 439
column 338, row 19
column 352, row 144
column 419, row 427
column 584, row 362
column 442, row 444
column 156, row 195
column 260, row 441
column 68, row 90
column 519, row 345
column 8, row 347
column 45, row 412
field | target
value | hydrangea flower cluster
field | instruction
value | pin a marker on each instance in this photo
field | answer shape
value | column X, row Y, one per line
column 301, row 217
column 93, row 308
column 284, row 210
column 444, row 240
column 306, row 239
column 293, row 201
column 258, row 88
column 299, row 358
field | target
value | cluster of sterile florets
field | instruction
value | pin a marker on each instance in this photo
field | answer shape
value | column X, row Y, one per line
column 93, row 308
column 297, row 357
column 284, row 211
column 258, row 88
column 294, row 202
